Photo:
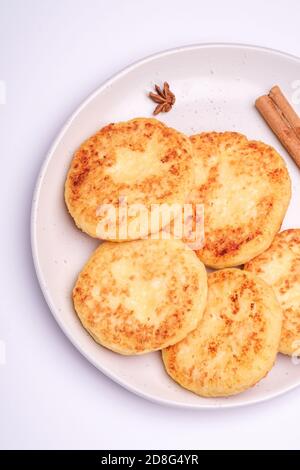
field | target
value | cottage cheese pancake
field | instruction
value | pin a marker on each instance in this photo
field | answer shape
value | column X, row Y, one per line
column 279, row 266
column 245, row 188
column 140, row 162
column 236, row 342
column 140, row 296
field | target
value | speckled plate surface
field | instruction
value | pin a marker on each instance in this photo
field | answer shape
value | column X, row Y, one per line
column 215, row 87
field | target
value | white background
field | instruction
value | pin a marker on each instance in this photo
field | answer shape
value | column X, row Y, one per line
column 52, row 55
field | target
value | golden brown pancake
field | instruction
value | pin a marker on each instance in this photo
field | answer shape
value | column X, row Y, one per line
column 236, row 342
column 141, row 161
column 140, row 296
column 279, row 266
column 245, row 188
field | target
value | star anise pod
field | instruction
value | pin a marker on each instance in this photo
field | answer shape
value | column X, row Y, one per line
column 164, row 99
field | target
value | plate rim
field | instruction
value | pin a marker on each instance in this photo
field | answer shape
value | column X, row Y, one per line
column 34, row 212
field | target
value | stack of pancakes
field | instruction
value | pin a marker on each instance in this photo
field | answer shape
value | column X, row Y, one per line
column 220, row 332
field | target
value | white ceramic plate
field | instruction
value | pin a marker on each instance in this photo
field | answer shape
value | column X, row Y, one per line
column 215, row 87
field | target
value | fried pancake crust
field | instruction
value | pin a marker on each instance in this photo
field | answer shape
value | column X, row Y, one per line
column 236, row 342
column 141, row 161
column 245, row 188
column 140, row 296
column 279, row 267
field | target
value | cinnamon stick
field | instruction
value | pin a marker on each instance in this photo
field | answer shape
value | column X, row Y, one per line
column 282, row 119
column 288, row 112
